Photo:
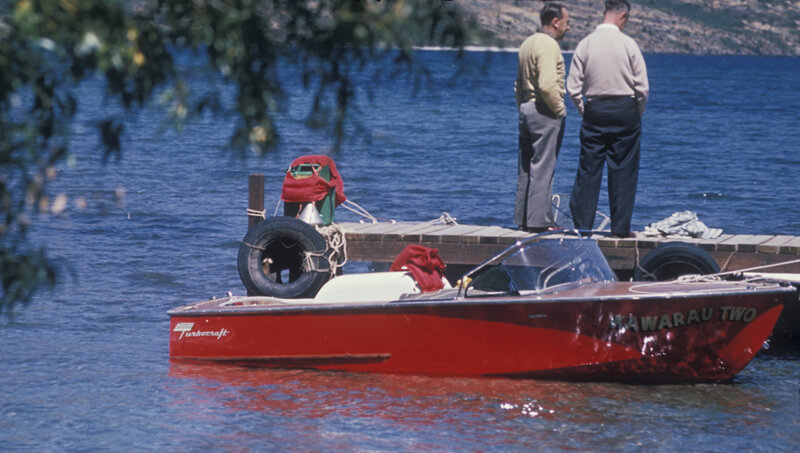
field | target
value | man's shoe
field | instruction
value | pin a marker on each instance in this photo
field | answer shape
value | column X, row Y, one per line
column 537, row 230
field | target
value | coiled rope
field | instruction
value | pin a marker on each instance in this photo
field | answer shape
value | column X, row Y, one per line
column 336, row 243
column 335, row 251
column 445, row 219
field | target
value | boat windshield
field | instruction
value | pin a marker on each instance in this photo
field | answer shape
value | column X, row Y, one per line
column 540, row 264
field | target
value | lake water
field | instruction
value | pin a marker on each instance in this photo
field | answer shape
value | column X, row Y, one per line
column 85, row 366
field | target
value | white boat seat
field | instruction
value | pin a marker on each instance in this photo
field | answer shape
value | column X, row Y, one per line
column 369, row 287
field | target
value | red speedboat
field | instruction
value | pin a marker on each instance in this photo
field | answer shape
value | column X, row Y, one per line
column 548, row 307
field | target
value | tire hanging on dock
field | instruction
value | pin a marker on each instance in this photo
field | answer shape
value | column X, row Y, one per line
column 283, row 257
column 671, row 260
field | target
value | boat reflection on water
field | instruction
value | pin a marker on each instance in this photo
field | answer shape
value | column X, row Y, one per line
column 337, row 410
column 318, row 394
column 416, row 402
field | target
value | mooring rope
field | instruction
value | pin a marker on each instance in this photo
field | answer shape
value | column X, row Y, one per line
column 277, row 205
column 757, row 268
column 445, row 219
column 335, row 250
column 357, row 209
column 256, row 213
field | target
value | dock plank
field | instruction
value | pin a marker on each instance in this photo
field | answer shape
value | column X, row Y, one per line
column 750, row 243
column 402, row 228
column 369, row 229
column 426, row 228
column 354, row 227
column 712, row 245
column 792, row 247
column 496, row 232
column 725, row 243
column 462, row 233
column 773, row 245
column 744, row 242
column 414, row 233
column 649, row 242
column 386, row 228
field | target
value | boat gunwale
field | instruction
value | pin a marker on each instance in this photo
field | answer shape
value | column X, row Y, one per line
column 216, row 307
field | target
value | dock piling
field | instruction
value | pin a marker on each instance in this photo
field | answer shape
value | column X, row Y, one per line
column 255, row 204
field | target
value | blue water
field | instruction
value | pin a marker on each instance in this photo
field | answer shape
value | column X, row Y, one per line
column 85, row 366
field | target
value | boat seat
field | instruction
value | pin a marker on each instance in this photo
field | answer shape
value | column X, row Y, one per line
column 368, row 287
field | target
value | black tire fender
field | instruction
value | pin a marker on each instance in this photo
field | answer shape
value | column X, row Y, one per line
column 272, row 254
column 671, row 260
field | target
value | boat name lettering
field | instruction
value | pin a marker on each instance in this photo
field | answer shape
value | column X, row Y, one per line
column 652, row 323
column 185, row 328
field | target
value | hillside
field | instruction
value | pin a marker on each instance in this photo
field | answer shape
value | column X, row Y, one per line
column 727, row 27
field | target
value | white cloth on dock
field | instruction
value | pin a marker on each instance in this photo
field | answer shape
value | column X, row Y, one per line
column 682, row 224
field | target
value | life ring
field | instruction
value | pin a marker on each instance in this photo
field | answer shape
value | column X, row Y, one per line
column 671, row 260
column 272, row 259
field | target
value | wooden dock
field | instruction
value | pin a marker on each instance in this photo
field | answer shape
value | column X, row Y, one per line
column 472, row 244
column 468, row 245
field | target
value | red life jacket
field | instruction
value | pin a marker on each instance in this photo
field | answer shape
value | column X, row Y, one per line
column 424, row 264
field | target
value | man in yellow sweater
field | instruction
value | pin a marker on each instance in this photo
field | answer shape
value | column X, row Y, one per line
column 540, row 101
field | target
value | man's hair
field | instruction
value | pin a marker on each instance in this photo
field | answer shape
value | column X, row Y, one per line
column 550, row 11
column 618, row 5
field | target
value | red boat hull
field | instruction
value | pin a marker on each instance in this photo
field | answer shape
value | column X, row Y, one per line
column 686, row 338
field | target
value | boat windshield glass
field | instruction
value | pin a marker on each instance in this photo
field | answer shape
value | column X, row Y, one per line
column 540, row 264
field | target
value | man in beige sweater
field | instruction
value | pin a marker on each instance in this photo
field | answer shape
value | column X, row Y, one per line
column 608, row 84
column 540, row 101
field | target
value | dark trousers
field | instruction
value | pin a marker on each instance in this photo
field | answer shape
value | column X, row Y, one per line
column 610, row 134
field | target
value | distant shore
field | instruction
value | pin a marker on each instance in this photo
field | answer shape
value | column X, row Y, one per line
column 700, row 27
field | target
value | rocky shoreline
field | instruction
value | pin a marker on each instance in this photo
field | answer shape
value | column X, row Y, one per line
column 701, row 27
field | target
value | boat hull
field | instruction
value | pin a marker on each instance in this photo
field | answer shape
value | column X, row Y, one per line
column 693, row 336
